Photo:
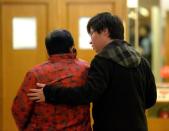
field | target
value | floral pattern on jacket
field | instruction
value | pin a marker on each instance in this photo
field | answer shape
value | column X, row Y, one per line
column 64, row 70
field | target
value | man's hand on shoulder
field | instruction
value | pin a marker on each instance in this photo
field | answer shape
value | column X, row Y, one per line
column 37, row 95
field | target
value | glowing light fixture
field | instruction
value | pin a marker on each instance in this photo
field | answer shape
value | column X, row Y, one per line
column 144, row 12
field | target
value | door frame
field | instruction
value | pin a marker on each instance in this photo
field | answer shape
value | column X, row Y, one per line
column 1, row 70
column 120, row 9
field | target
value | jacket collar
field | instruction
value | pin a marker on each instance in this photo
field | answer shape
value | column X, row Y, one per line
column 57, row 57
column 122, row 53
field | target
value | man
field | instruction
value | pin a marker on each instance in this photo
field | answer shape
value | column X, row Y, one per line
column 64, row 69
column 120, row 82
column 145, row 41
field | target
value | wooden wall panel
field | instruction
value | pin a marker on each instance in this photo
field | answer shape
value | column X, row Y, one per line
column 166, row 40
column 1, row 89
column 158, row 124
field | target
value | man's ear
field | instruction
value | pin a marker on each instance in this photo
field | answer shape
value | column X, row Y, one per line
column 73, row 50
column 106, row 32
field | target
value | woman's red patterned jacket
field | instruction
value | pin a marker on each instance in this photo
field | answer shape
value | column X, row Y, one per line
column 64, row 70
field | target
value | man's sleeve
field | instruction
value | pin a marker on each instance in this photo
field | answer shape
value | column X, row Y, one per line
column 22, row 106
column 96, row 84
column 151, row 92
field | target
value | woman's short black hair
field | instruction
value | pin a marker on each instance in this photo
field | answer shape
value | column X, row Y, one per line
column 59, row 42
column 107, row 21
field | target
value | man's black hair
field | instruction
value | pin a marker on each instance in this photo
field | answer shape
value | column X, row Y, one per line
column 59, row 42
column 107, row 21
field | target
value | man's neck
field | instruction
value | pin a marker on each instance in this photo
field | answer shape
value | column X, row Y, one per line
column 108, row 42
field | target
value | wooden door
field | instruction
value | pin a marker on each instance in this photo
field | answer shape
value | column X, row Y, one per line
column 16, row 62
column 78, row 9
column 49, row 14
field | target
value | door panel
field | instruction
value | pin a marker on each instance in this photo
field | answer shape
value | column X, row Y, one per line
column 87, row 8
column 17, row 62
column 75, row 12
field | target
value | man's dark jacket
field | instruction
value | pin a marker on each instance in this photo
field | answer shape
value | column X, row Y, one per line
column 120, row 85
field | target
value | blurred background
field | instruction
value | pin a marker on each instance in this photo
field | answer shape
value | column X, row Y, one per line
column 25, row 23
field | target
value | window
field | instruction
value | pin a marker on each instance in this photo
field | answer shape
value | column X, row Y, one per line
column 24, row 33
column 84, row 38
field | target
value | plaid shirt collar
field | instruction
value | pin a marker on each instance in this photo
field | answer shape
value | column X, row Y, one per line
column 122, row 53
